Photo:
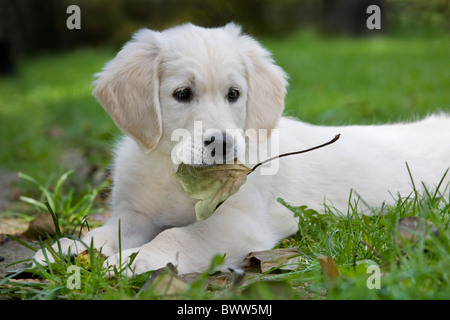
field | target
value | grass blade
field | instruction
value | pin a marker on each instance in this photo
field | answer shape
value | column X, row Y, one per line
column 60, row 182
column 28, row 178
column 24, row 243
column 55, row 220
column 33, row 202
column 48, row 196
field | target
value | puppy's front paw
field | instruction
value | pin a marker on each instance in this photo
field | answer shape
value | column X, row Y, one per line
column 65, row 246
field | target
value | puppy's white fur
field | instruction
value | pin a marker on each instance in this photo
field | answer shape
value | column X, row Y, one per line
column 157, row 216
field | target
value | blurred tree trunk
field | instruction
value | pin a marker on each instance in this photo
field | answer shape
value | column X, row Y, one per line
column 14, row 31
column 350, row 17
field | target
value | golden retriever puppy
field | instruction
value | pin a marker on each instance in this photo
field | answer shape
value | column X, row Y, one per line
column 206, row 96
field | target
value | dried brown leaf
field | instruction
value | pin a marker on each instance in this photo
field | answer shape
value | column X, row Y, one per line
column 329, row 269
column 211, row 185
column 40, row 226
column 282, row 258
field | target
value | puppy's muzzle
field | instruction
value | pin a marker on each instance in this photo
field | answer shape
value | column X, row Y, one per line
column 219, row 147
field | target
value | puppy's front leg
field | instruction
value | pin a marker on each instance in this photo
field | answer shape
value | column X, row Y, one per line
column 136, row 229
column 192, row 247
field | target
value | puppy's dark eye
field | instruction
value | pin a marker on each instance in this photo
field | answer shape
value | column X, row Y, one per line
column 233, row 95
column 183, row 95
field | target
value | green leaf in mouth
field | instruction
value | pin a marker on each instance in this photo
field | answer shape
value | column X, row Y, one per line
column 212, row 185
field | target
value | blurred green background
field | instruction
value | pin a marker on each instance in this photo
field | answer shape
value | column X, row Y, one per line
column 340, row 71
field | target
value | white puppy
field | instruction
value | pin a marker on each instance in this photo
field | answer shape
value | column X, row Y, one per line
column 196, row 95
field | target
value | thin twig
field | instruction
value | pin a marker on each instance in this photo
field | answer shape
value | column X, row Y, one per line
column 296, row 152
column 373, row 250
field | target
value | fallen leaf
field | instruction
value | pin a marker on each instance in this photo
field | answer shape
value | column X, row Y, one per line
column 41, row 226
column 282, row 258
column 169, row 284
column 83, row 259
column 166, row 282
column 211, row 185
column 329, row 269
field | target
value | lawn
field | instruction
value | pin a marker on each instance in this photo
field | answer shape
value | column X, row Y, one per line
column 47, row 112
column 48, row 108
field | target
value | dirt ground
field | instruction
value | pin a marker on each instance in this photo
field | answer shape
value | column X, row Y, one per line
column 7, row 178
column 12, row 224
column 10, row 251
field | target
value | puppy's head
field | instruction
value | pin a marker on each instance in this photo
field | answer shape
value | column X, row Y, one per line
column 205, row 87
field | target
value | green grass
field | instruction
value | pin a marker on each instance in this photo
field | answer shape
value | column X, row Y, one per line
column 47, row 110
column 408, row 269
column 337, row 81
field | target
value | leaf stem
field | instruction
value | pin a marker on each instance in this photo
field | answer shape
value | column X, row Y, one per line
column 296, row 152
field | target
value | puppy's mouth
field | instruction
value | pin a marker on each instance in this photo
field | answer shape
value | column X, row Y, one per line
column 218, row 148
column 213, row 157
column 208, row 164
column 211, row 150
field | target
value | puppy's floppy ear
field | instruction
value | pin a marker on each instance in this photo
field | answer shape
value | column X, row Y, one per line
column 128, row 89
column 266, row 87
